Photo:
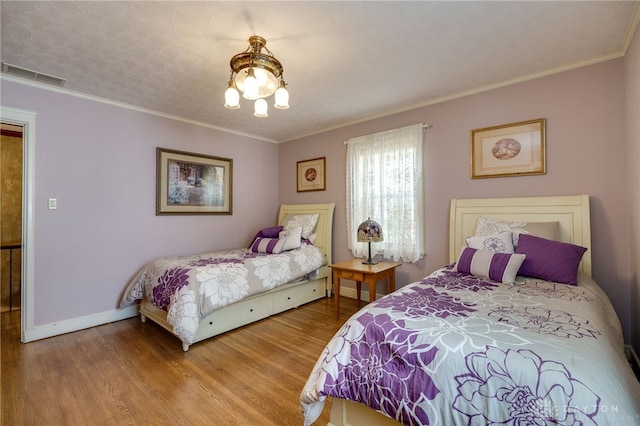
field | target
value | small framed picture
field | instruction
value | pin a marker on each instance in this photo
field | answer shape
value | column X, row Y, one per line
column 516, row 149
column 311, row 175
column 188, row 183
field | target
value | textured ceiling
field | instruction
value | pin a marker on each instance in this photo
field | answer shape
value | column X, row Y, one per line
column 344, row 61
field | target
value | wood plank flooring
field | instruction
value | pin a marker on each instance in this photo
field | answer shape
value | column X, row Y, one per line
column 130, row 373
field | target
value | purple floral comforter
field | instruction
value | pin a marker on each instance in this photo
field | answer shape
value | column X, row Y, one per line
column 191, row 287
column 453, row 349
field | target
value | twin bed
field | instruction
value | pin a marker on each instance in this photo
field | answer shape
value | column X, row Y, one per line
column 200, row 296
column 514, row 331
column 458, row 348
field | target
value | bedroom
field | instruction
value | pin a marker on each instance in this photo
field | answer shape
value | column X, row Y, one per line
column 98, row 161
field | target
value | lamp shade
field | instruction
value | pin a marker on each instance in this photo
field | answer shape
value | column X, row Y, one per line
column 232, row 97
column 282, row 97
column 260, row 108
column 369, row 231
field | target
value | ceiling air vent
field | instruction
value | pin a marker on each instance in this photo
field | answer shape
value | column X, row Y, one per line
column 32, row 75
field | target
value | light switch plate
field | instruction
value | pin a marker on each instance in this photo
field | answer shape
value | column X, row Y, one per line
column 53, row 203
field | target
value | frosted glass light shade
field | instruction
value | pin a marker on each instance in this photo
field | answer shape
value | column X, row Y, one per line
column 282, row 97
column 231, row 97
column 260, row 108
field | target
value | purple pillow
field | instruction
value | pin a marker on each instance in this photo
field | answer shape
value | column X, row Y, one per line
column 271, row 232
column 267, row 245
column 549, row 260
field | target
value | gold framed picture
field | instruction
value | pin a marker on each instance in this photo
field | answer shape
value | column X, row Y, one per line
column 188, row 183
column 516, row 149
column 311, row 175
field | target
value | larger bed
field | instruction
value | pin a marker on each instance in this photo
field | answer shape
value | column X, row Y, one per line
column 459, row 348
column 200, row 296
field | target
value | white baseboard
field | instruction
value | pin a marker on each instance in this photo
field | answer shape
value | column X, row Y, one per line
column 351, row 293
column 81, row 323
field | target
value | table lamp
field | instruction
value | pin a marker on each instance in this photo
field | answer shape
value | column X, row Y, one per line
column 368, row 231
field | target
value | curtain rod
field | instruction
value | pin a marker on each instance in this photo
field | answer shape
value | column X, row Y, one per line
column 425, row 126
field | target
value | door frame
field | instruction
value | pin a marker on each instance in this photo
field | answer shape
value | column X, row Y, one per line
column 27, row 120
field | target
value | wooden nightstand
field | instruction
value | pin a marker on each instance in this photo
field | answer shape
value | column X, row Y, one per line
column 360, row 273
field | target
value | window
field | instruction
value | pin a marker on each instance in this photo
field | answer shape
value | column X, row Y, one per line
column 385, row 183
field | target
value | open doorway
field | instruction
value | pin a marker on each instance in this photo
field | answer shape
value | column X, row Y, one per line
column 11, row 147
column 26, row 121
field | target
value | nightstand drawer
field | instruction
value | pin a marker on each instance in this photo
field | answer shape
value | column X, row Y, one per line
column 351, row 275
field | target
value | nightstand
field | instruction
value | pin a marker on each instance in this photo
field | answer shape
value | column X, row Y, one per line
column 361, row 273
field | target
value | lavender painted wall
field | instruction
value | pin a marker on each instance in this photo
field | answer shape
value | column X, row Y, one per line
column 632, row 90
column 98, row 160
column 585, row 113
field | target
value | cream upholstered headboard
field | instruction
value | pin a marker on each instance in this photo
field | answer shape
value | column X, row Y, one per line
column 572, row 212
column 324, row 228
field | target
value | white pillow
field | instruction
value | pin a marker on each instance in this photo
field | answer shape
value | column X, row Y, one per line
column 497, row 243
column 308, row 223
column 547, row 230
column 292, row 238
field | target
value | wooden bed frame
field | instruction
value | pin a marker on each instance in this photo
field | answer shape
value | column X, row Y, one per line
column 263, row 305
column 575, row 227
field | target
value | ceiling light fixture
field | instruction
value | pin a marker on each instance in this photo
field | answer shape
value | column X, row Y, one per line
column 256, row 75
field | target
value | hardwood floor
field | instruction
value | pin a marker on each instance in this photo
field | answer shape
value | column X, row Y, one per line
column 130, row 373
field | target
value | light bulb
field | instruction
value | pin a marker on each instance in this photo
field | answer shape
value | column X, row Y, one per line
column 251, row 87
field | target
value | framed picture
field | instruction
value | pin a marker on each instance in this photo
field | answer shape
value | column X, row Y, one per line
column 188, row 183
column 311, row 175
column 516, row 149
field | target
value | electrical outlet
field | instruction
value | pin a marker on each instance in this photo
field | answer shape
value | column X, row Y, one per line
column 53, row 203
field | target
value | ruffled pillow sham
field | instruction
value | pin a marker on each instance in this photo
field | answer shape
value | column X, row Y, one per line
column 498, row 243
column 307, row 222
column 547, row 230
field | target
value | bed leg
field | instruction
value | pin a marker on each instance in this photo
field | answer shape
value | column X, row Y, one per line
column 185, row 347
column 143, row 318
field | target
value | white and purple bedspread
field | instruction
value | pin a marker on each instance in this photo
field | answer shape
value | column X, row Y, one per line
column 453, row 349
column 191, row 287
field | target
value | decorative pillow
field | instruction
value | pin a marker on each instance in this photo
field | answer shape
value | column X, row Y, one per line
column 550, row 260
column 501, row 267
column 292, row 238
column 270, row 232
column 548, row 230
column 498, row 243
column 267, row 245
column 308, row 223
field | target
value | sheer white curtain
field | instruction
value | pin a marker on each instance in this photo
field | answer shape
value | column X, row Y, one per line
column 385, row 183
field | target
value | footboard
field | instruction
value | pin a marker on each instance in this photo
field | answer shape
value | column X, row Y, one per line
column 246, row 311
